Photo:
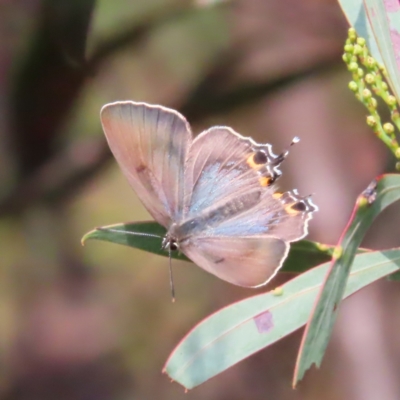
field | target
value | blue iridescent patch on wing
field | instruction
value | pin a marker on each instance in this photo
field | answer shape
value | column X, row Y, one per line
column 209, row 189
column 248, row 225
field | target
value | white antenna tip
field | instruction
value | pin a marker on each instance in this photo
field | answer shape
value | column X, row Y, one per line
column 295, row 140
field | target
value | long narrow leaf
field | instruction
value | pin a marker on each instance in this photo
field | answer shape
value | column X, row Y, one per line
column 143, row 235
column 384, row 18
column 319, row 328
column 243, row 328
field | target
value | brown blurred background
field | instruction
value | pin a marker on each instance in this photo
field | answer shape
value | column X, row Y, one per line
column 97, row 322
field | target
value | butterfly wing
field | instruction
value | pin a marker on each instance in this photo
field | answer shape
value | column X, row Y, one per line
column 223, row 165
column 248, row 248
column 150, row 144
column 236, row 226
column 244, row 261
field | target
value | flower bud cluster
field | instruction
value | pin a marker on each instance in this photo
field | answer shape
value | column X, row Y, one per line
column 368, row 83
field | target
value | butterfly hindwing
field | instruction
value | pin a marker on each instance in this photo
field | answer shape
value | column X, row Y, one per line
column 236, row 225
column 243, row 261
column 221, row 167
column 150, row 144
column 229, row 191
column 248, row 248
column 284, row 216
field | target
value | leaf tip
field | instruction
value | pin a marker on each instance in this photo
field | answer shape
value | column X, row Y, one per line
column 299, row 373
column 87, row 236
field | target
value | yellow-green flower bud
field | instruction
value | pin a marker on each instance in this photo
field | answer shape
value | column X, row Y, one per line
column 391, row 100
column 321, row 246
column 352, row 34
column 397, row 152
column 353, row 86
column 353, row 66
column 361, row 41
column 360, row 72
column 348, row 48
column 346, row 57
column 366, row 94
column 369, row 78
column 371, row 121
column 388, row 128
column 373, row 103
column 362, row 201
column 357, row 49
column 384, row 86
column 278, row 291
column 370, row 62
column 337, row 252
column 398, row 166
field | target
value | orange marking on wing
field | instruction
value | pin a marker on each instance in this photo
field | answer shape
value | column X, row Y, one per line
column 252, row 164
column 265, row 181
column 290, row 210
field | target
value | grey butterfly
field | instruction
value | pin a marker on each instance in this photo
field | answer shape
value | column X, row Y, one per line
column 214, row 194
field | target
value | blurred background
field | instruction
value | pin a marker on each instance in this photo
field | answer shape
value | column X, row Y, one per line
column 97, row 322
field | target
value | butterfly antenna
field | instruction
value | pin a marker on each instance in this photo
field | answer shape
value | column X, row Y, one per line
column 171, row 278
column 284, row 154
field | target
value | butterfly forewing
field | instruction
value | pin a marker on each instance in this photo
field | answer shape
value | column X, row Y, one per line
column 150, row 144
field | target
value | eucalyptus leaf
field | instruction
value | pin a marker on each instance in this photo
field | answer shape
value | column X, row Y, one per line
column 380, row 194
column 243, row 328
column 148, row 236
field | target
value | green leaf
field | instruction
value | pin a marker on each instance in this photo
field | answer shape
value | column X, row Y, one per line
column 394, row 277
column 379, row 195
column 384, row 18
column 145, row 236
column 303, row 255
column 243, row 328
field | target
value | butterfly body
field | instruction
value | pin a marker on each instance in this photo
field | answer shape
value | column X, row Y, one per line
column 214, row 193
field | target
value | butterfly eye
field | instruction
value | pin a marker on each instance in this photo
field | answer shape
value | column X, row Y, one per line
column 173, row 246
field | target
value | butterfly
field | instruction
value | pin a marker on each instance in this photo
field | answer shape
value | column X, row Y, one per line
column 214, row 193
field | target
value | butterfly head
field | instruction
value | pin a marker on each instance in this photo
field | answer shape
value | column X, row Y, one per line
column 171, row 242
